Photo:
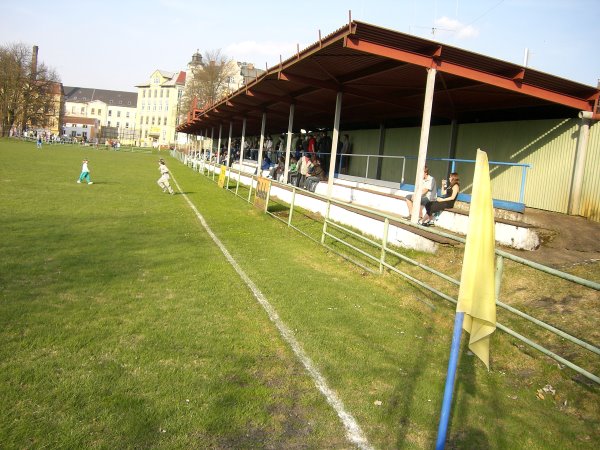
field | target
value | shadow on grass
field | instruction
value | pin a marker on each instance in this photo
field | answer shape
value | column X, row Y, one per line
column 404, row 399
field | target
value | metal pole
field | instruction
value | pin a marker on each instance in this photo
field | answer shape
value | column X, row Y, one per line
column 498, row 278
column 261, row 145
column 242, row 141
column 452, row 146
column 334, row 142
column 425, row 126
column 218, row 150
column 579, row 167
column 212, row 143
column 292, row 205
column 523, row 178
column 380, row 150
column 229, row 151
column 386, row 226
column 450, row 376
column 288, row 144
column 325, row 221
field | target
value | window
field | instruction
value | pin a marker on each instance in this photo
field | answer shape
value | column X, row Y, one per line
column 143, row 93
column 152, row 120
column 110, row 113
column 156, row 81
column 118, row 113
column 146, row 134
column 108, row 123
column 83, row 110
column 99, row 111
column 168, row 94
column 143, row 105
column 147, row 118
column 120, row 102
column 84, row 126
column 154, row 106
column 126, row 124
column 165, row 121
column 93, row 111
column 161, row 93
column 127, row 114
column 160, row 106
column 110, row 101
column 72, row 110
column 164, row 135
column 118, row 124
column 141, row 120
column 166, row 107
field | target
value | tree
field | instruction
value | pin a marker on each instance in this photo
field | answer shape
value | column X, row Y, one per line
column 208, row 81
column 27, row 94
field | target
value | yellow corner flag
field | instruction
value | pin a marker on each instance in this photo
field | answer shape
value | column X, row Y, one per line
column 476, row 297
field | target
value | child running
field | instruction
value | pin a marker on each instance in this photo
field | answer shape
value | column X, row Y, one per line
column 163, row 181
column 85, row 173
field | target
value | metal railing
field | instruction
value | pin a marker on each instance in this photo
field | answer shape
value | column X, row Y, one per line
column 384, row 250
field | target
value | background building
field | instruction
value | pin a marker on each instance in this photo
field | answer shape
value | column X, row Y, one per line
column 157, row 106
column 115, row 112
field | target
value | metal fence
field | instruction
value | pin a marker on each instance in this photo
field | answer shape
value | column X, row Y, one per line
column 383, row 252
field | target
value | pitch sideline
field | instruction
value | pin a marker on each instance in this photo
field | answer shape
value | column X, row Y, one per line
column 353, row 431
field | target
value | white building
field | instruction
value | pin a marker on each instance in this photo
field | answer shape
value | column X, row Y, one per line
column 157, row 106
column 115, row 112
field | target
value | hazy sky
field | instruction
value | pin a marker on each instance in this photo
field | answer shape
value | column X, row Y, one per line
column 109, row 44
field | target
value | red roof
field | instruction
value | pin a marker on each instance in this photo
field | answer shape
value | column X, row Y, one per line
column 382, row 74
column 181, row 78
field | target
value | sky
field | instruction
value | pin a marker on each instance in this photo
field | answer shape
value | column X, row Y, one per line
column 107, row 44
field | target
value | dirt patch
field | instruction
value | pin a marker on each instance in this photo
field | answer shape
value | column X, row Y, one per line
column 564, row 240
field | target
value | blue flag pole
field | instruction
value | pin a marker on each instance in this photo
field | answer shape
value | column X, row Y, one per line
column 450, row 376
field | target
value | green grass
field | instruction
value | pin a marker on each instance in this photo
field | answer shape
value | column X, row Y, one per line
column 122, row 325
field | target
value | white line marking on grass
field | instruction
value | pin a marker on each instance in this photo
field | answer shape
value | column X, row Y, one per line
column 353, row 430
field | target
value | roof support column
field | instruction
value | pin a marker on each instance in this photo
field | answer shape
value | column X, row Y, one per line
column 205, row 144
column 229, row 143
column 212, row 143
column 219, row 142
column 261, row 144
column 452, row 147
column 242, row 142
column 380, row 150
column 288, row 143
column 425, row 126
column 334, row 142
column 579, row 166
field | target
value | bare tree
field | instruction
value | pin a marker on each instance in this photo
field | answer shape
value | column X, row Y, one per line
column 208, row 81
column 28, row 92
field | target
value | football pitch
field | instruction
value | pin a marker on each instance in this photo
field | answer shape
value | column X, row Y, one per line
column 131, row 318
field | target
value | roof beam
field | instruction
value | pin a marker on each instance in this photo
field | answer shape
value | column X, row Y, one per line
column 286, row 76
column 515, row 85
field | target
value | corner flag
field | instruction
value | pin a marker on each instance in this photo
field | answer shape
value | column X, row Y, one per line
column 476, row 307
column 476, row 297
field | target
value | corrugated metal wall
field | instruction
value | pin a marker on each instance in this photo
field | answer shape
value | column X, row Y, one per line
column 590, row 196
column 548, row 145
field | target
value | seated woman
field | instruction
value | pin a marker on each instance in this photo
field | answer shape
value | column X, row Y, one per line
column 315, row 176
column 444, row 202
